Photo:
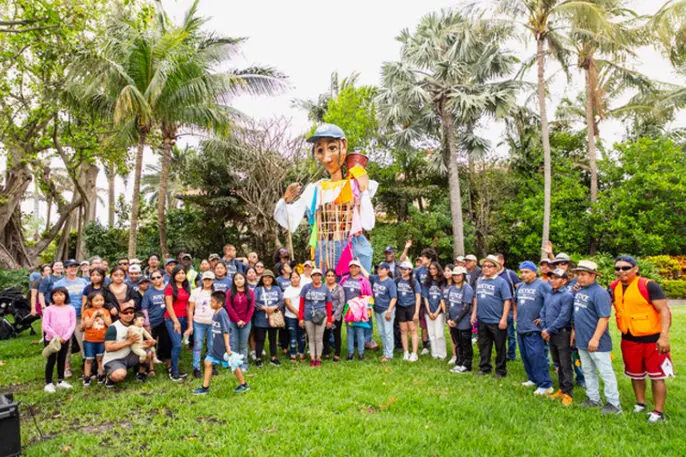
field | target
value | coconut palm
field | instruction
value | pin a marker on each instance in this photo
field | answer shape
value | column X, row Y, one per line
column 546, row 21
column 450, row 74
column 196, row 97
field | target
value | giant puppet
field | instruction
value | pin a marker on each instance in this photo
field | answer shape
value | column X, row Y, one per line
column 338, row 209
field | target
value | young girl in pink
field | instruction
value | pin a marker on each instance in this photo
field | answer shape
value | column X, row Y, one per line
column 59, row 321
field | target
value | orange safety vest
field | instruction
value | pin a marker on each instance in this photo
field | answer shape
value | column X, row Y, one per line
column 633, row 309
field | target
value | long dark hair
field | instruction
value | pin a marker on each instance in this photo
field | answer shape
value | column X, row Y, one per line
column 172, row 282
column 411, row 280
column 277, row 256
column 101, row 272
column 246, row 289
column 116, row 269
column 441, row 279
column 91, row 296
column 61, row 290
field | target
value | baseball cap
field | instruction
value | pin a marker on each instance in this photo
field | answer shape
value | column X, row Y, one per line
column 490, row 259
column 85, row 262
column 214, row 257
column 384, row 265
column 355, row 262
column 135, row 268
column 460, row 258
column 316, row 271
column 186, row 256
column 168, row 261
column 308, row 263
column 470, row 257
column 135, row 262
column 208, row 275
column 459, row 271
column 389, row 249
column 528, row 265
column 406, row 265
column 628, row 259
column 71, row 263
column 561, row 258
column 545, row 260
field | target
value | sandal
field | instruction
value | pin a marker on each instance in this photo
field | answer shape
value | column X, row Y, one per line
column 151, row 373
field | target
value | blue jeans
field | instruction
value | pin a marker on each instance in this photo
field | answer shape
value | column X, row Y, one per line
column 535, row 359
column 369, row 332
column 385, row 329
column 176, row 341
column 362, row 249
column 511, row 339
column 239, row 341
column 200, row 333
column 296, row 344
column 599, row 363
column 355, row 334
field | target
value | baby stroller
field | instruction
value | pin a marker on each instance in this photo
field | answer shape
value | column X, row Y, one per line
column 13, row 303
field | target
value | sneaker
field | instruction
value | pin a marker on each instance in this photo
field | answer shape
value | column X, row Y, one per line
column 67, row 373
column 425, row 351
column 86, row 381
column 64, row 385
column 101, row 379
column 452, row 360
column 109, row 384
column 50, row 388
column 557, row 395
column 318, row 363
column 176, row 377
column 656, row 416
column 360, row 357
column 253, row 355
column 275, row 362
column 544, row 391
column 611, row 409
column 242, row 388
column 312, row 363
column 196, row 373
column 590, row 404
column 566, row 400
column 639, row 408
column 413, row 357
column 457, row 369
column 142, row 377
column 259, row 363
column 201, row 391
column 528, row 383
column 406, row 356
column 350, row 357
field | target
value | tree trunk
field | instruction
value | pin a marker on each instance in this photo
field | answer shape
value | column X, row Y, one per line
column 36, row 208
column 48, row 203
column 590, row 136
column 450, row 144
column 80, row 216
column 545, row 133
column 90, row 186
column 111, row 183
column 169, row 133
column 135, row 203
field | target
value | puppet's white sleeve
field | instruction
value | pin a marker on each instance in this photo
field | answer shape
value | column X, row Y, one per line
column 289, row 216
column 367, row 216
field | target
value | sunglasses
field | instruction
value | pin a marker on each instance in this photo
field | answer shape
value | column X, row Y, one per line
column 155, row 277
column 121, row 264
column 127, row 311
column 624, row 268
column 488, row 265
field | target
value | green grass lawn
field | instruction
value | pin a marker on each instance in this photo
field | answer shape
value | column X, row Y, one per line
column 348, row 409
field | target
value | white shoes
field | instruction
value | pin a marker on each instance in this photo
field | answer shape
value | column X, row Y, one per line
column 64, row 385
column 528, row 383
column 50, row 388
column 413, row 357
column 406, row 356
column 542, row 391
column 425, row 351
column 639, row 408
column 458, row 369
column 452, row 360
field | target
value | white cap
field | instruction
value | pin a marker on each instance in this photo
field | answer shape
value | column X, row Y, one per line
column 406, row 265
column 135, row 268
column 208, row 275
column 354, row 262
column 459, row 271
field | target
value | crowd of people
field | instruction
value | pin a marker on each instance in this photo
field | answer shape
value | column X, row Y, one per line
column 131, row 316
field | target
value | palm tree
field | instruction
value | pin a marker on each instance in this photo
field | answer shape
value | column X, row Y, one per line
column 194, row 96
column 449, row 75
column 150, row 181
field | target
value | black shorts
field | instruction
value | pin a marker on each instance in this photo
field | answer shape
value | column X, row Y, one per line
column 163, row 342
column 404, row 313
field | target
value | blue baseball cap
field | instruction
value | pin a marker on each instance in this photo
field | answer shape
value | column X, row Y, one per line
column 622, row 258
column 168, row 261
column 384, row 265
column 71, row 263
column 389, row 249
column 528, row 265
column 326, row 131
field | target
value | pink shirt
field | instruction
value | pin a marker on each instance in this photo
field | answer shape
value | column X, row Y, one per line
column 59, row 321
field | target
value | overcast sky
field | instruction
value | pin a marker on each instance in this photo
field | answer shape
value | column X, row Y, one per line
column 309, row 39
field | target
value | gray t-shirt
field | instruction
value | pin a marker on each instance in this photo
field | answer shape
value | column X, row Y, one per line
column 220, row 326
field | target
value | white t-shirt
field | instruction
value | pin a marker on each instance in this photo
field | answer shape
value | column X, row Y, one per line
column 203, row 311
column 293, row 294
column 304, row 280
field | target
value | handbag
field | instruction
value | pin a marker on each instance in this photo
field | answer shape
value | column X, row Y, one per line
column 318, row 316
column 276, row 319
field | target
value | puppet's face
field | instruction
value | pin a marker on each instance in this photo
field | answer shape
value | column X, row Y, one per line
column 330, row 153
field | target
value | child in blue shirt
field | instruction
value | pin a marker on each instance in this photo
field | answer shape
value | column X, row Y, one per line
column 219, row 348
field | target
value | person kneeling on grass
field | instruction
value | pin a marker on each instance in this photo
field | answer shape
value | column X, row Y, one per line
column 119, row 357
column 219, row 348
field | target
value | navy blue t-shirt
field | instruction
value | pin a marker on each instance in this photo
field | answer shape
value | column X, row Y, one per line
column 223, row 284
column 315, row 298
column 406, row 295
column 352, row 288
column 384, row 292
column 491, row 294
column 530, row 301
column 264, row 297
column 433, row 294
column 220, row 326
column 420, row 275
column 153, row 301
column 590, row 304
column 283, row 282
column 46, row 285
column 457, row 299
